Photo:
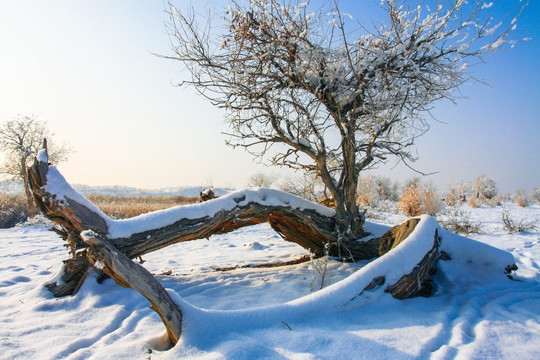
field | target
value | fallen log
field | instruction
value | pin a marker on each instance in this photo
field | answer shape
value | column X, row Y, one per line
column 297, row 220
column 417, row 282
column 307, row 224
column 305, row 227
column 104, row 255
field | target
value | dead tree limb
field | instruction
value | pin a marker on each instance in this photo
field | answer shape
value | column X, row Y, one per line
column 306, row 228
column 418, row 282
column 70, row 218
column 102, row 254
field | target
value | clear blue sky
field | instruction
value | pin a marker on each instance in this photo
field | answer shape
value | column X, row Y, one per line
column 86, row 67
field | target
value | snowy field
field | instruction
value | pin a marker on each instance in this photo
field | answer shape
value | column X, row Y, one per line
column 471, row 314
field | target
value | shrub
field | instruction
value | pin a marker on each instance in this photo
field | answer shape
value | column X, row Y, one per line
column 484, row 192
column 309, row 187
column 536, row 194
column 367, row 194
column 512, row 226
column 386, row 189
column 262, row 180
column 410, row 202
column 320, row 267
column 459, row 221
column 431, row 200
column 374, row 189
column 13, row 210
column 521, row 198
column 381, row 210
column 38, row 220
column 458, row 195
column 419, row 199
column 452, row 199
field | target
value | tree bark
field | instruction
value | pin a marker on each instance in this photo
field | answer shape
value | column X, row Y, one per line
column 417, row 282
column 349, row 220
column 306, row 228
column 30, row 203
column 127, row 273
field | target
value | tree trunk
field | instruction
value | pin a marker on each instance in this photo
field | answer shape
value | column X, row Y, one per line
column 27, row 191
column 349, row 220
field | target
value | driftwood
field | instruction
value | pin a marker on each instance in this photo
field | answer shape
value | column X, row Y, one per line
column 127, row 273
column 86, row 231
column 72, row 215
column 396, row 235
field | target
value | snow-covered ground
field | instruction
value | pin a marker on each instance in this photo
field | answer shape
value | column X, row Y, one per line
column 470, row 316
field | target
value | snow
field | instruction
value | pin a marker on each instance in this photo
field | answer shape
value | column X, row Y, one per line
column 58, row 187
column 62, row 191
column 248, row 313
column 42, row 156
column 487, row 5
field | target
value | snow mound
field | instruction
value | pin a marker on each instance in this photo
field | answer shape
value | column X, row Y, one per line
column 254, row 246
column 349, row 293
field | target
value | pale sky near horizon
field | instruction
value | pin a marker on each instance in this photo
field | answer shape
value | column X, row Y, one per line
column 87, row 68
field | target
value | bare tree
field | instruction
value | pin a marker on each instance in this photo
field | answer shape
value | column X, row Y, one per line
column 20, row 141
column 262, row 180
column 307, row 186
column 306, row 91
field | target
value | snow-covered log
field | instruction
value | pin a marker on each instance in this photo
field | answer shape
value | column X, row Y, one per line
column 308, row 224
column 408, row 252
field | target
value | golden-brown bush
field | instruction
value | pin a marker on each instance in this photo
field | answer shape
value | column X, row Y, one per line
column 452, row 199
column 419, row 199
column 521, row 198
column 457, row 195
column 410, row 202
column 484, row 192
